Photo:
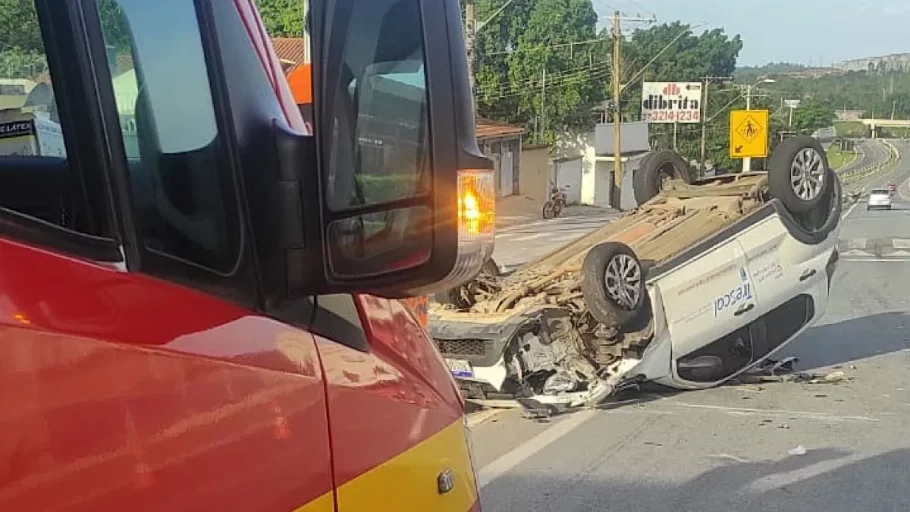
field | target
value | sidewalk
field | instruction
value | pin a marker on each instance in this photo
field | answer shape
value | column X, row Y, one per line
column 517, row 210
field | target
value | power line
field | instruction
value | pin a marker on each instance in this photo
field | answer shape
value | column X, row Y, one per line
column 565, row 81
column 547, row 47
column 561, row 74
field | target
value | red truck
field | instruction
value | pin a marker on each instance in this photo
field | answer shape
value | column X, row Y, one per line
column 199, row 295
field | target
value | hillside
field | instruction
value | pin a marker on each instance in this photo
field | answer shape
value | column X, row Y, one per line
column 893, row 62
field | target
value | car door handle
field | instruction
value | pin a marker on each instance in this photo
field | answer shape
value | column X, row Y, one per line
column 744, row 309
column 807, row 274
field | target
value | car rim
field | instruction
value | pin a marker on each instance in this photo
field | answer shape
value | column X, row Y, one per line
column 623, row 280
column 807, row 174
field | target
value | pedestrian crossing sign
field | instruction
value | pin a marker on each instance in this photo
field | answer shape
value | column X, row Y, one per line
column 748, row 134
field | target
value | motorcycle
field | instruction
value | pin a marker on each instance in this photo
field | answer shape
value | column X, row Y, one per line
column 555, row 204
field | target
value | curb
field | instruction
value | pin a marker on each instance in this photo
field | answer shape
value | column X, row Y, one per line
column 853, row 175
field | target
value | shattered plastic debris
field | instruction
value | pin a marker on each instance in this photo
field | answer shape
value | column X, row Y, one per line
column 559, row 382
column 799, row 450
column 836, row 376
column 782, row 371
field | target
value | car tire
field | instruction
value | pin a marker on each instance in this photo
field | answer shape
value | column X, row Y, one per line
column 613, row 284
column 655, row 168
column 800, row 157
column 835, row 206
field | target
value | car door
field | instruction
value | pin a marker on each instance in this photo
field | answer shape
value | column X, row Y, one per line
column 787, row 272
column 706, row 300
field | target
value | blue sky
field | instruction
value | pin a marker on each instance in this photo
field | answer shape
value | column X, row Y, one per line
column 788, row 30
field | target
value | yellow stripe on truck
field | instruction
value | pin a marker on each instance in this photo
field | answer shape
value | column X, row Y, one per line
column 408, row 482
column 324, row 503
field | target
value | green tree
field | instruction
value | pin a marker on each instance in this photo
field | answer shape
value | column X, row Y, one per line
column 282, row 18
column 811, row 116
column 540, row 61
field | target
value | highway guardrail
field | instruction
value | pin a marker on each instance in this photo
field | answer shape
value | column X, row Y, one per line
column 851, row 175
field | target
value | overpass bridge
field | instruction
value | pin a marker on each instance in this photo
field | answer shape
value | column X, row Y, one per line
column 875, row 124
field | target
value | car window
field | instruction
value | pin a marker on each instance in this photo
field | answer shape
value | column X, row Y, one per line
column 179, row 176
column 35, row 177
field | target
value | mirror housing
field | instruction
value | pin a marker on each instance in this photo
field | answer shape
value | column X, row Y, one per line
column 404, row 200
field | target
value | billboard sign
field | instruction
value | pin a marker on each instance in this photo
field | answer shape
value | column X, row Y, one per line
column 671, row 102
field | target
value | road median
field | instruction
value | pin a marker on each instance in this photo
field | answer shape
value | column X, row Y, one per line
column 852, row 175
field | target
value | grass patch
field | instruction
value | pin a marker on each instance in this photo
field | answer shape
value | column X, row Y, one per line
column 838, row 158
column 851, row 129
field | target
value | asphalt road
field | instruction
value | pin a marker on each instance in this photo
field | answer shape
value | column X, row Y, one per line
column 521, row 243
column 730, row 448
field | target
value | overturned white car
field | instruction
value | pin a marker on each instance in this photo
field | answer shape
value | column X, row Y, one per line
column 696, row 285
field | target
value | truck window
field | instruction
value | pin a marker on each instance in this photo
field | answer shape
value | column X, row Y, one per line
column 36, row 180
column 380, row 108
column 182, row 183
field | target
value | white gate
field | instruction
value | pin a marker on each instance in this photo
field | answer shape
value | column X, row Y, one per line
column 506, row 175
column 568, row 178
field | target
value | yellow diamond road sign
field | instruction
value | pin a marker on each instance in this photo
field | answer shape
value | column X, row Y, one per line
column 748, row 133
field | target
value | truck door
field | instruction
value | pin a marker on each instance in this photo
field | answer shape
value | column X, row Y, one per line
column 134, row 371
column 398, row 436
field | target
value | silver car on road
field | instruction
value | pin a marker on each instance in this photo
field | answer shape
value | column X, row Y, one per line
column 879, row 198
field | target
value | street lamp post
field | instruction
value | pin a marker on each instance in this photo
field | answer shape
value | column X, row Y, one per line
column 747, row 161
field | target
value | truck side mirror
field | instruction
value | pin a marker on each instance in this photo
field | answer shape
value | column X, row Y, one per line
column 406, row 199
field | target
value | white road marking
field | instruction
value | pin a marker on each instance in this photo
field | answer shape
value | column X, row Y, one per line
column 849, row 210
column 510, row 460
column 856, row 254
column 809, row 415
column 876, row 260
column 790, row 478
column 856, row 243
column 527, row 238
column 900, row 243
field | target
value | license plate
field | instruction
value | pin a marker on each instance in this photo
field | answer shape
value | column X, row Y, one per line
column 460, row 367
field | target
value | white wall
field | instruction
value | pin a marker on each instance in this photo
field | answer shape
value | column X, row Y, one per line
column 575, row 144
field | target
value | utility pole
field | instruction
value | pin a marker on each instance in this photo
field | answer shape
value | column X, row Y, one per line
column 617, row 109
column 747, row 161
column 470, row 41
column 704, row 111
column 543, row 102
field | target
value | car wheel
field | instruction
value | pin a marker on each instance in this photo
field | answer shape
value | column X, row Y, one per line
column 835, row 206
column 798, row 173
column 655, row 171
column 613, row 284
